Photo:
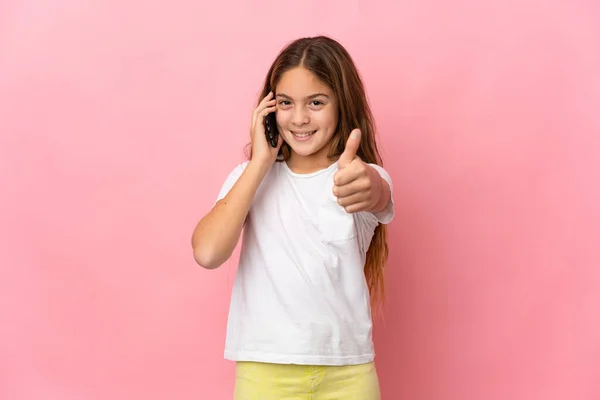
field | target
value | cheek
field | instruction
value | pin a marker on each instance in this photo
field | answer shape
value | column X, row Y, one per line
column 327, row 120
column 281, row 117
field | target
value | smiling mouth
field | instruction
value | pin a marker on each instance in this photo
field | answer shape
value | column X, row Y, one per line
column 302, row 134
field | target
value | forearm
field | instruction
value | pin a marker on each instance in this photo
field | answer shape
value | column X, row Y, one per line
column 384, row 195
column 217, row 234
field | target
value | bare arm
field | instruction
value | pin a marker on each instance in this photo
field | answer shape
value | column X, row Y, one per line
column 384, row 193
column 217, row 234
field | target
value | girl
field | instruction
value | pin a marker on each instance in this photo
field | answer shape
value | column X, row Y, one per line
column 313, row 210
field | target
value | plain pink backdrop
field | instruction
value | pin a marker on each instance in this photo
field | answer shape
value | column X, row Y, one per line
column 120, row 120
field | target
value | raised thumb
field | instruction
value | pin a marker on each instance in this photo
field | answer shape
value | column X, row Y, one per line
column 352, row 145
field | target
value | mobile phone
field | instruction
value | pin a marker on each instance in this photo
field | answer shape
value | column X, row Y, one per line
column 271, row 129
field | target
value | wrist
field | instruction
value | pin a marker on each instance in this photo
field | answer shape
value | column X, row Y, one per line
column 383, row 194
column 259, row 166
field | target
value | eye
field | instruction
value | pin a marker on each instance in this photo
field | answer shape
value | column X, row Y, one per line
column 316, row 103
column 284, row 102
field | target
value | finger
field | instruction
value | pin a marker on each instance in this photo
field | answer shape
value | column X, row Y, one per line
column 260, row 113
column 264, row 113
column 267, row 97
column 351, row 188
column 352, row 145
column 269, row 110
column 263, row 103
column 357, row 207
column 344, row 177
column 353, row 198
column 260, row 109
column 269, row 103
column 267, row 100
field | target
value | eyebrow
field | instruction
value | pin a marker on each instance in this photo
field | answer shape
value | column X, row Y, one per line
column 312, row 96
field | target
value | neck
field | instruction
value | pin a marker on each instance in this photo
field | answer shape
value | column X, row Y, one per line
column 308, row 164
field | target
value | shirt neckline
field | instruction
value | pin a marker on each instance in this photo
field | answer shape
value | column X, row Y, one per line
column 310, row 174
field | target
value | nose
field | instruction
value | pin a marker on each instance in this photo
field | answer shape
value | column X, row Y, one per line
column 300, row 116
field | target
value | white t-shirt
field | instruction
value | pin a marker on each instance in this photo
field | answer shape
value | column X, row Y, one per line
column 300, row 294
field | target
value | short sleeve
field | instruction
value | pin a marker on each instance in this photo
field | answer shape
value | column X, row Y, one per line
column 366, row 222
column 386, row 216
column 231, row 179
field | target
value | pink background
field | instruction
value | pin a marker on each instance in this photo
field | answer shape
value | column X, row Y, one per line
column 120, row 120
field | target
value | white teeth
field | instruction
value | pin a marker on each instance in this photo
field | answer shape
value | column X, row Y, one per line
column 301, row 135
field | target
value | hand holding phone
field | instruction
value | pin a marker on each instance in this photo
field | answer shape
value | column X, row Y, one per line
column 266, row 142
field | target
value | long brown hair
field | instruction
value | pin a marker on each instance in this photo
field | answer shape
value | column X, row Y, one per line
column 329, row 61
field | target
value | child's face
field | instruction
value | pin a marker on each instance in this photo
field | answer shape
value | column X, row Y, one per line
column 307, row 112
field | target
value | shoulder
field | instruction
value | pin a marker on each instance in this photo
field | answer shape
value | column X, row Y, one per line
column 241, row 166
column 232, row 177
column 237, row 170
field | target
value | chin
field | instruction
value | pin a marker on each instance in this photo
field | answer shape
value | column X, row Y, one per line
column 303, row 152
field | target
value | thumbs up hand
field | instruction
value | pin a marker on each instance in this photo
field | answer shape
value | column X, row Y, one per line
column 357, row 186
